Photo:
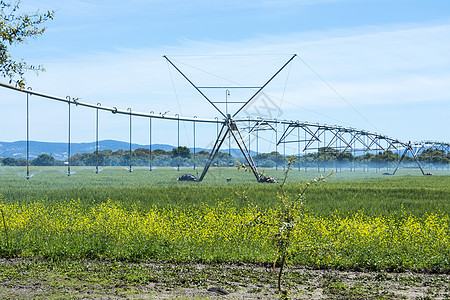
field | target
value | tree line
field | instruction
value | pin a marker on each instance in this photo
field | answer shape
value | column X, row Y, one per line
column 183, row 157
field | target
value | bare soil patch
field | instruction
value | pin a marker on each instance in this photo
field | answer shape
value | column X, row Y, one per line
column 84, row 279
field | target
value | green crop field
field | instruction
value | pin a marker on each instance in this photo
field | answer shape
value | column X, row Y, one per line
column 347, row 192
column 354, row 221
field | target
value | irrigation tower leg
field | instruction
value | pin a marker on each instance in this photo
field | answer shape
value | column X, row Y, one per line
column 215, row 150
column 409, row 148
column 229, row 128
column 243, row 147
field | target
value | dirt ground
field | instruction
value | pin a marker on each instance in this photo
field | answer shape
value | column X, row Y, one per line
column 83, row 279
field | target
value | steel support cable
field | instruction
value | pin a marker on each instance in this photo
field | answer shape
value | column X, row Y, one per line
column 256, row 72
column 194, row 86
column 229, row 68
column 178, row 101
column 337, row 93
column 209, row 73
column 309, row 110
column 264, row 85
column 232, row 55
column 284, row 89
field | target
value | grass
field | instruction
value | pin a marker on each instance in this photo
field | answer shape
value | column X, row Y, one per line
column 372, row 222
column 346, row 192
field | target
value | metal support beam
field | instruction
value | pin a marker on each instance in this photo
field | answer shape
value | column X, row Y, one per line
column 230, row 129
column 408, row 147
column 198, row 90
column 215, row 150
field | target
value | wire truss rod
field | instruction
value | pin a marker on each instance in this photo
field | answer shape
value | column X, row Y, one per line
column 352, row 138
column 425, row 145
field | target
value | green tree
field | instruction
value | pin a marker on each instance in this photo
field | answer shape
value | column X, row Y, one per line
column 158, row 152
column 21, row 162
column 387, row 156
column 43, row 160
column 16, row 28
column 9, row 161
column 345, row 156
column 289, row 212
column 181, row 151
column 327, row 153
column 366, row 157
column 435, row 156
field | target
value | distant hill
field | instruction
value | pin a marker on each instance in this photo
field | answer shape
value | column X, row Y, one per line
column 18, row 149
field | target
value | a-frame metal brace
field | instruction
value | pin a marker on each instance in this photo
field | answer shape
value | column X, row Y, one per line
column 408, row 147
column 229, row 126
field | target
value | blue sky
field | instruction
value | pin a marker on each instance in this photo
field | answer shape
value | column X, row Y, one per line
column 386, row 61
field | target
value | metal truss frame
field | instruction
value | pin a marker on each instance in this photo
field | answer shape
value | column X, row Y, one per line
column 311, row 135
column 229, row 126
column 353, row 139
column 423, row 145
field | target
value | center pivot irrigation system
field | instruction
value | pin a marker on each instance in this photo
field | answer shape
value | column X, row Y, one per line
column 307, row 136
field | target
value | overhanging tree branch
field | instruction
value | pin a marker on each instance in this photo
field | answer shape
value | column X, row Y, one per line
column 16, row 28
